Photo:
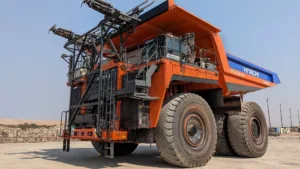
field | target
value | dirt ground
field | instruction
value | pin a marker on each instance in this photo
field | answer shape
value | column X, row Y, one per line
column 283, row 152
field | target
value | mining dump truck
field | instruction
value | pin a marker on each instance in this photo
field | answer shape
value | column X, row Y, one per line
column 162, row 76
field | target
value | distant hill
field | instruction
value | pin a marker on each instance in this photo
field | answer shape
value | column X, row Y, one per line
column 22, row 121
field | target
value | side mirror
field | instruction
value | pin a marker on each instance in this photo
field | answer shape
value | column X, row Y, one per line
column 64, row 57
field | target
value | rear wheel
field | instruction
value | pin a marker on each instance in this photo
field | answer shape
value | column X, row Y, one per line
column 248, row 131
column 120, row 149
column 186, row 133
column 223, row 145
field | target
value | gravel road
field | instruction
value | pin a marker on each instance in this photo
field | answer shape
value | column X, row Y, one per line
column 282, row 153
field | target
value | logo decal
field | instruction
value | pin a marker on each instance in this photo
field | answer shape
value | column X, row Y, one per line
column 251, row 72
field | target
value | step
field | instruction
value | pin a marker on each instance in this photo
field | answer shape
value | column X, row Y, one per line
column 109, row 150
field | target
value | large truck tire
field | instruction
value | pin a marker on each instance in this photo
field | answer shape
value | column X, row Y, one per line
column 248, row 131
column 120, row 149
column 223, row 145
column 186, row 134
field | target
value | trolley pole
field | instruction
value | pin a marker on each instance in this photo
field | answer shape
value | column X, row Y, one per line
column 281, row 116
column 291, row 117
column 299, row 117
column 269, row 113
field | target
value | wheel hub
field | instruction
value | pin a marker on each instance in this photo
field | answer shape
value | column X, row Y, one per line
column 255, row 129
column 194, row 130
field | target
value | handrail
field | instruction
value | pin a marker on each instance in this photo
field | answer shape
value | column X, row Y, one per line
column 147, row 53
column 61, row 119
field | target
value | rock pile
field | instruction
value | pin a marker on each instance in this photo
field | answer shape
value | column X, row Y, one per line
column 21, row 134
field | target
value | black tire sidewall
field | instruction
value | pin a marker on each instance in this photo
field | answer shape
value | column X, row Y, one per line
column 261, row 146
column 191, row 106
column 224, row 147
column 120, row 149
column 98, row 147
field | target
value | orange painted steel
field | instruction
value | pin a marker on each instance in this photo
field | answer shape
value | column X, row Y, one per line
column 90, row 134
column 171, row 3
column 178, row 22
column 161, row 81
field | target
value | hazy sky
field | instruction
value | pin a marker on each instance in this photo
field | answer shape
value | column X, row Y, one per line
column 33, row 77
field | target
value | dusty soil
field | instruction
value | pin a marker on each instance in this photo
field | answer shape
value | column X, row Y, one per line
column 283, row 152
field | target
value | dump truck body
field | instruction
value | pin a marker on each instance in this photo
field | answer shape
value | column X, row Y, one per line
column 233, row 71
column 125, row 71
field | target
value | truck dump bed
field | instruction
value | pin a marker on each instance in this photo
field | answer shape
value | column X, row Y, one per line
column 252, row 69
column 236, row 75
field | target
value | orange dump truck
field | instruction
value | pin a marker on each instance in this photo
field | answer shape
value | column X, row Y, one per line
column 161, row 76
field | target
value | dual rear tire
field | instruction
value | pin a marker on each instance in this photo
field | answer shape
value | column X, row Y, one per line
column 243, row 133
column 248, row 131
column 224, row 147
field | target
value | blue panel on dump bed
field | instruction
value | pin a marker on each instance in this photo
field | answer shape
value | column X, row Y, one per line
column 251, row 69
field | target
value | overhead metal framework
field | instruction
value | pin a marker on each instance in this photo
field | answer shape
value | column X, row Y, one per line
column 97, row 45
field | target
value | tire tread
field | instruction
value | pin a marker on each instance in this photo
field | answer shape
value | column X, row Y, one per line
column 223, row 145
column 237, row 132
column 166, row 143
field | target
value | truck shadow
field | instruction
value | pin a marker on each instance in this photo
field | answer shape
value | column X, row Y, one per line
column 144, row 156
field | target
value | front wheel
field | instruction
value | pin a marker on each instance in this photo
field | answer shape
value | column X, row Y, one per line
column 186, row 134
